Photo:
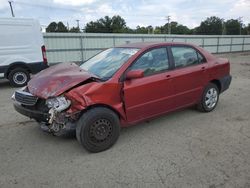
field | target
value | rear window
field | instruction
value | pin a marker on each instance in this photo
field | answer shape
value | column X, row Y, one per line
column 185, row 56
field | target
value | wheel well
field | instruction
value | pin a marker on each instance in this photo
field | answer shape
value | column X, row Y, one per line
column 103, row 105
column 217, row 83
column 16, row 65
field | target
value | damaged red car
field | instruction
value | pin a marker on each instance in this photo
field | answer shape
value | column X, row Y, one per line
column 122, row 86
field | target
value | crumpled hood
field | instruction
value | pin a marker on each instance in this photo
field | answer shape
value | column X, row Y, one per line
column 57, row 79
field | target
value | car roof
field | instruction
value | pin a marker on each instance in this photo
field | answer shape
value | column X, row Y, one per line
column 142, row 45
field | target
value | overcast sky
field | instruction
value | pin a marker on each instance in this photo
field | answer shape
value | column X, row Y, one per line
column 135, row 12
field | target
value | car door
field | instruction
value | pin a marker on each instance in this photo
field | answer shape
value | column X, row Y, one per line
column 150, row 95
column 189, row 76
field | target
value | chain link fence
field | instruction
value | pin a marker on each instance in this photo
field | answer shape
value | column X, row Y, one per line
column 78, row 47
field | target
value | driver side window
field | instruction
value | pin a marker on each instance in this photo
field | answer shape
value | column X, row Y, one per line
column 152, row 62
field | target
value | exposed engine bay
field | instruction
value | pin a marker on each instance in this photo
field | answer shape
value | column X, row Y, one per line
column 48, row 112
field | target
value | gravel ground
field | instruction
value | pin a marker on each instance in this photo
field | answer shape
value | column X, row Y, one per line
column 182, row 149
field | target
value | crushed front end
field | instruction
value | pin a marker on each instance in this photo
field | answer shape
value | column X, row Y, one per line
column 49, row 113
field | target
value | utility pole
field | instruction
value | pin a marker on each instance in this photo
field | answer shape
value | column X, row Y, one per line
column 240, row 20
column 169, row 27
column 223, row 32
column 10, row 2
column 68, row 25
column 77, row 21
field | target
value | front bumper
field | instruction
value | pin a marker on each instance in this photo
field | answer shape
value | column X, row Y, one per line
column 33, row 114
column 225, row 82
column 67, row 129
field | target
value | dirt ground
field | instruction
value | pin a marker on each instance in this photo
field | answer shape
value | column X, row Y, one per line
column 182, row 149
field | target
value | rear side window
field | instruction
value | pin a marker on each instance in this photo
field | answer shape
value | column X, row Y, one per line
column 152, row 62
column 186, row 56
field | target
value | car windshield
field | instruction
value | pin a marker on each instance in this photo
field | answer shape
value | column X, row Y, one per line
column 106, row 63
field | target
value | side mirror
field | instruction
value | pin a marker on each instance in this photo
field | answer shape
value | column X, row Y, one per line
column 134, row 74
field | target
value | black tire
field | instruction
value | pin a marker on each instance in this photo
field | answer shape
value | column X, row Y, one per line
column 19, row 77
column 203, row 106
column 98, row 129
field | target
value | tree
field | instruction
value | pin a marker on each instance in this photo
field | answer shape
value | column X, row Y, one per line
column 93, row 27
column 116, row 24
column 74, row 30
column 105, row 24
column 141, row 30
column 51, row 27
column 176, row 28
column 211, row 26
column 233, row 27
column 56, row 27
column 246, row 30
column 180, row 29
column 150, row 29
column 159, row 30
column 61, row 27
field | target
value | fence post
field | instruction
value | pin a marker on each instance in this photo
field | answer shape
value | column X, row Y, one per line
column 231, row 43
column 243, row 44
column 81, row 44
column 218, row 43
column 203, row 42
column 113, row 41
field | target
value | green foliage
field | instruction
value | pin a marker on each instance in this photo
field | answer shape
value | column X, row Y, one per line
column 246, row 30
column 52, row 27
column 116, row 24
column 61, row 28
column 56, row 27
column 233, row 27
column 175, row 29
column 74, row 30
column 142, row 30
column 211, row 26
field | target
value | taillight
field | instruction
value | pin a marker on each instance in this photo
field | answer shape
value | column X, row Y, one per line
column 44, row 55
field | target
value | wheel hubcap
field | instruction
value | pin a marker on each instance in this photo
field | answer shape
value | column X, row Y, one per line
column 20, row 78
column 100, row 130
column 211, row 98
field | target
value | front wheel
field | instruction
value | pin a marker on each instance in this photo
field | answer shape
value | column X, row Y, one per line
column 98, row 129
column 19, row 77
column 210, row 98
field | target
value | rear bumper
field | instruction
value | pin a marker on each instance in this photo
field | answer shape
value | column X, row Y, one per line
column 225, row 82
column 33, row 114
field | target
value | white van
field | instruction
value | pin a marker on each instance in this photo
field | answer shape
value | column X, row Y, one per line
column 22, row 50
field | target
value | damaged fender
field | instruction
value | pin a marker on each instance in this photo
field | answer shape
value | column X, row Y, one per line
column 96, row 93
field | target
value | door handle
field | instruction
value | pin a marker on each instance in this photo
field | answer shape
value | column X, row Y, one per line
column 203, row 68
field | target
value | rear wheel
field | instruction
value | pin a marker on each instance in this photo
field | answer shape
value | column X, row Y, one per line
column 19, row 77
column 98, row 129
column 209, row 99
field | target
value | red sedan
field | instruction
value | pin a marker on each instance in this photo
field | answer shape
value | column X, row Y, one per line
column 122, row 86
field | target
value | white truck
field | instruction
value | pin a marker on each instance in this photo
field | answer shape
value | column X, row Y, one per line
column 22, row 50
